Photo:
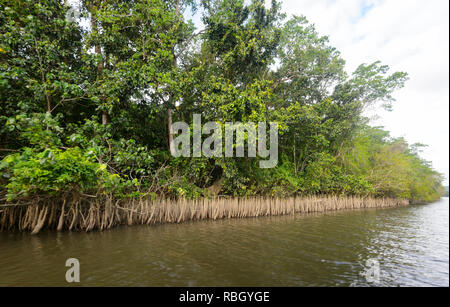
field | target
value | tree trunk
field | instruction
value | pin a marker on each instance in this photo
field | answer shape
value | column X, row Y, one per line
column 105, row 119
column 171, row 143
column 100, row 65
column 295, row 155
column 172, row 99
column 169, row 114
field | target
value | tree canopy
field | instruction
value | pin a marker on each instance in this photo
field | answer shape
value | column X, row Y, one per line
column 90, row 109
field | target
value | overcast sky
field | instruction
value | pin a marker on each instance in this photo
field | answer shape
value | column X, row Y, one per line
column 407, row 35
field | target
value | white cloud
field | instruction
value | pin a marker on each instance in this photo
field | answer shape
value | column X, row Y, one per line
column 408, row 35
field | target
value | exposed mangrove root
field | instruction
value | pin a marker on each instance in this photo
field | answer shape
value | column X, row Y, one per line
column 106, row 212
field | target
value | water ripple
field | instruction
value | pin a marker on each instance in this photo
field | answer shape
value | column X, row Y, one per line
column 329, row 249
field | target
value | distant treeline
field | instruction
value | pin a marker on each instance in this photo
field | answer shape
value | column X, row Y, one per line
column 86, row 107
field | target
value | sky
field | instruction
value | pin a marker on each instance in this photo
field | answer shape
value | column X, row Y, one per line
column 408, row 35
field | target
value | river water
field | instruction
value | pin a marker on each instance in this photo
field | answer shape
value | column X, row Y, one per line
column 390, row 247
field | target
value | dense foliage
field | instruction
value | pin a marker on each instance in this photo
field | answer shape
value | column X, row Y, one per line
column 87, row 109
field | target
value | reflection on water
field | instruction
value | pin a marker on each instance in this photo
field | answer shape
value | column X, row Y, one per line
column 328, row 249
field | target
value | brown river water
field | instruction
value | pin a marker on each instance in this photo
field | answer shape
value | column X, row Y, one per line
column 408, row 247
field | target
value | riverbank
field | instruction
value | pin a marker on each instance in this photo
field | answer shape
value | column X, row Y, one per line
column 106, row 212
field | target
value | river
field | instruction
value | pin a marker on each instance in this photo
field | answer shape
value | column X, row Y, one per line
column 407, row 246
